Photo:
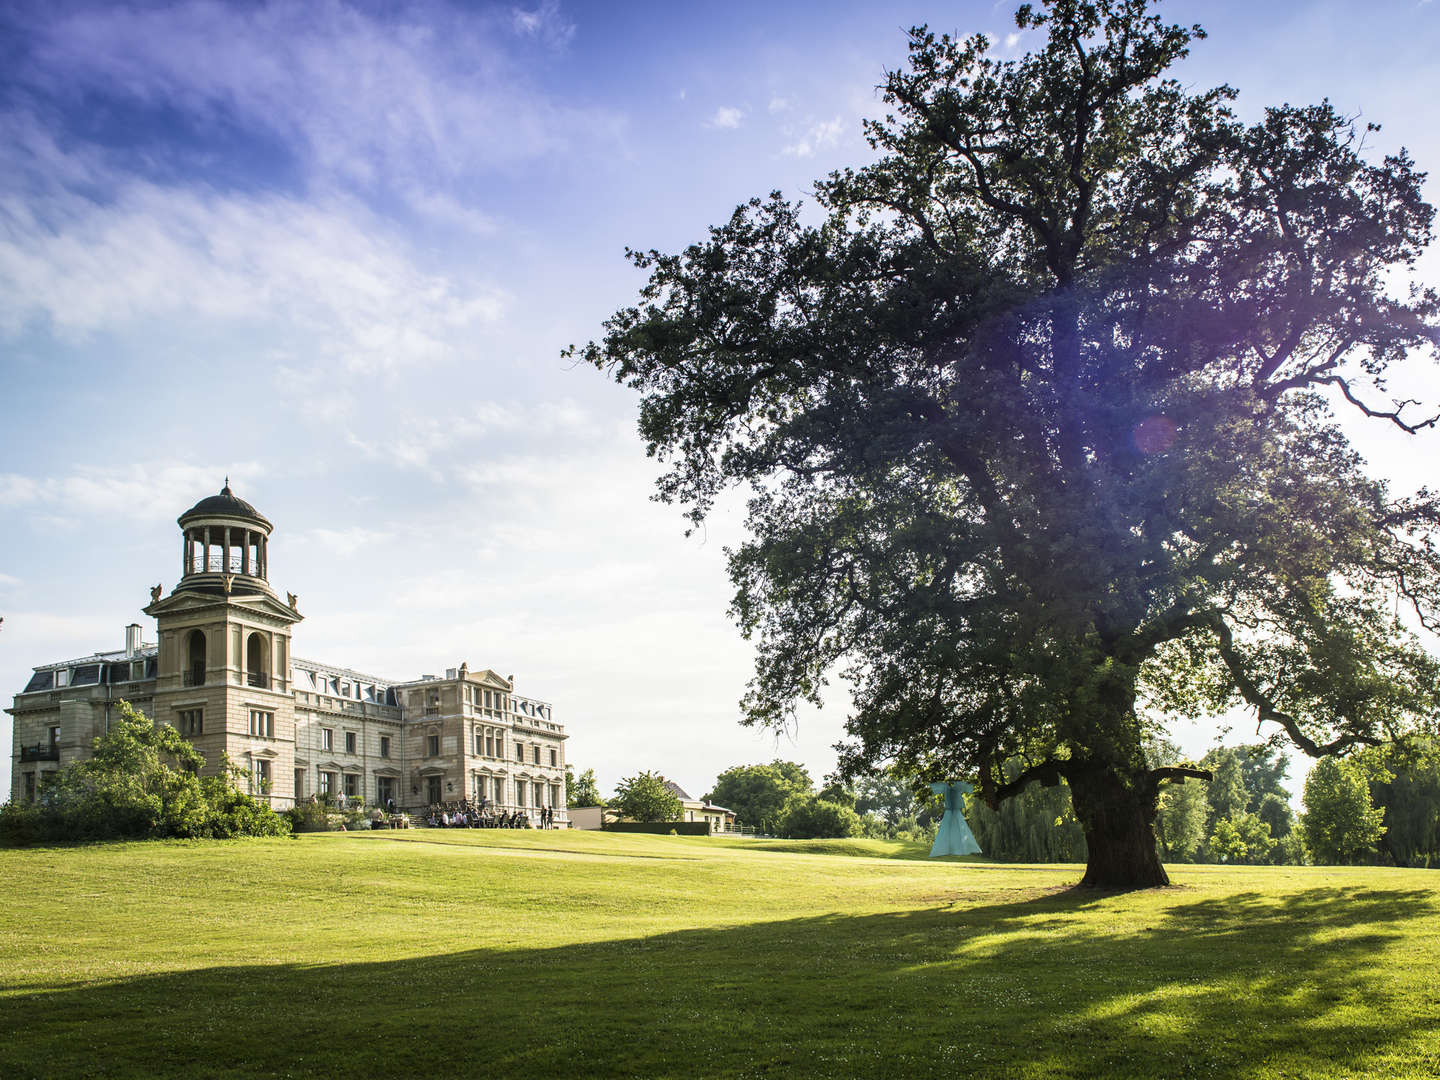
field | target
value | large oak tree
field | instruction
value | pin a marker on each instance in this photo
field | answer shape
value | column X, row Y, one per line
column 1037, row 421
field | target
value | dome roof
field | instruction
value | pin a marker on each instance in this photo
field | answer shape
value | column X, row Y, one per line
column 225, row 505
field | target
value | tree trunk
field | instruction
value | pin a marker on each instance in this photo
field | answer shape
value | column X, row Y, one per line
column 1117, row 814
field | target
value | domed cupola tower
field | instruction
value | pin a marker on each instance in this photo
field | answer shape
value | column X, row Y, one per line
column 225, row 545
column 223, row 674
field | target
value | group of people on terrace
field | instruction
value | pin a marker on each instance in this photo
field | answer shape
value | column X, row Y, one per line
column 467, row 815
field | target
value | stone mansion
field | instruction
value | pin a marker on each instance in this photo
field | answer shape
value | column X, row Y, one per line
column 223, row 673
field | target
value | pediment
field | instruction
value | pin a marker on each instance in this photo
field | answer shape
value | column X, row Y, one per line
column 265, row 753
column 491, row 679
column 185, row 602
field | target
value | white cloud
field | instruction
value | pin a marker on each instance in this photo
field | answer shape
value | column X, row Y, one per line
column 779, row 105
column 726, row 116
column 819, row 137
column 341, row 542
column 419, row 440
column 328, row 267
column 142, row 491
column 414, row 97
column 545, row 23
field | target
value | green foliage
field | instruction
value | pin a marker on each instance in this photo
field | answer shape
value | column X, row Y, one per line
column 1241, row 838
column 1340, row 824
column 644, row 797
column 1227, row 795
column 759, row 794
column 812, row 817
column 1038, row 825
column 1180, row 823
column 1405, row 783
column 141, row 782
column 1036, row 426
column 892, row 799
column 582, row 791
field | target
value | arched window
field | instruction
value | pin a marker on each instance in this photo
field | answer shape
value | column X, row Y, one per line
column 194, row 674
column 257, row 661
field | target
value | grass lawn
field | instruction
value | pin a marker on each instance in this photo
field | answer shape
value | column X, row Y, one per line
column 439, row 954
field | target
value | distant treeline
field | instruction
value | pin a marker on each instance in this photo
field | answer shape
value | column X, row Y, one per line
column 1380, row 805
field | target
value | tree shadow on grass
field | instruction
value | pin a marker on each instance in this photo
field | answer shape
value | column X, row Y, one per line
column 1305, row 984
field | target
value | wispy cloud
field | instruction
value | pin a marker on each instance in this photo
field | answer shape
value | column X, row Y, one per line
column 402, row 98
column 330, row 269
column 425, row 442
column 137, row 491
column 546, row 23
column 819, row 136
column 726, row 116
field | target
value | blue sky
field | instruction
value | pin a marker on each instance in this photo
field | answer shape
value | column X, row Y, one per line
column 334, row 251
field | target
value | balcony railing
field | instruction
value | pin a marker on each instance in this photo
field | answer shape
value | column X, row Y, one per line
column 40, row 752
column 193, row 677
column 257, row 678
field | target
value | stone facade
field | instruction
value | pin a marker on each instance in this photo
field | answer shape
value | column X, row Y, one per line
column 222, row 671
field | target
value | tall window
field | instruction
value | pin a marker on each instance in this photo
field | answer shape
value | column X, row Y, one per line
column 257, row 660
column 535, row 754
column 385, row 789
column 384, row 745
column 351, row 743
column 519, row 752
column 327, row 738
column 352, row 785
column 554, row 794
column 327, row 783
column 552, row 757
column 262, row 774
column 432, row 745
column 192, row 721
column 489, row 742
column 479, row 743
column 519, row 792
column 55, row 737
column 499, row 789
column 194, row 674
column 299, row 784
column 262, row 723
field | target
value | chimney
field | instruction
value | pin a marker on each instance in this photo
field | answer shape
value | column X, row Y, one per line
column 132, row 639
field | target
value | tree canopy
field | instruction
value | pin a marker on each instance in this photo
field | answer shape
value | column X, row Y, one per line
column 141, row 783
column 1038, row 424
column 582, row 791
column 759, row 794
column 646, row 797
column 1341, row 825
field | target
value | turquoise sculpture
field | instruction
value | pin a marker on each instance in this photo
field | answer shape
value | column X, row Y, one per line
column 954, row 836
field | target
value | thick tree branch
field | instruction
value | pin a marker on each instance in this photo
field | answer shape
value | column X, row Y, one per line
column 1178, row 774
column 1265, row 706
column 1380, row 414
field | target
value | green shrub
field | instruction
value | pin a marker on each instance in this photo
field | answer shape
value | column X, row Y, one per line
column 141, row 783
